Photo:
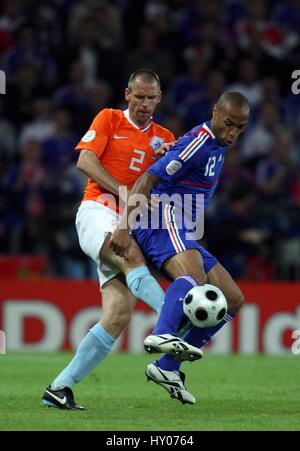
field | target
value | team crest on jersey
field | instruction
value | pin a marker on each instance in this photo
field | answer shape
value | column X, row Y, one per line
column 156, row 142
column 89, row 136
column 173, row 167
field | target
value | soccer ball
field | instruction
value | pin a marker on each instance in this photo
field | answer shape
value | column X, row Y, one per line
column 205, row 305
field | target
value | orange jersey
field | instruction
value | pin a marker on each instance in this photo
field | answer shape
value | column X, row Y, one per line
column 124, row 150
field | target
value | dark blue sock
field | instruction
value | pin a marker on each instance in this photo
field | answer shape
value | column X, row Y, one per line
column 197, row 337
column 168, row 363
column 200, row 336
column 171, row 315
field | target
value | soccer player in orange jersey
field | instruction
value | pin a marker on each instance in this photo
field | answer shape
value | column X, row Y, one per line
column 114, row 152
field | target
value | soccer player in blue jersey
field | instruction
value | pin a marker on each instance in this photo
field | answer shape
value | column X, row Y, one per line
column 192, row 167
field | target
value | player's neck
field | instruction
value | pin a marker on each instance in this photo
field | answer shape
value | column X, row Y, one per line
column 139, row 124
column 135, row 123
column 212, row 126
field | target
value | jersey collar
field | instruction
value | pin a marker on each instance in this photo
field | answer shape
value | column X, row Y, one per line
column 126, row 114
column 206, row 125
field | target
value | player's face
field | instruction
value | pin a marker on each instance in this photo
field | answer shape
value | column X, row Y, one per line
column 228, row 123
column 142, row 100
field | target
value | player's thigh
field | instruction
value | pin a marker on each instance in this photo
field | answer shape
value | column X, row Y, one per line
column 187, row 262
column 93, row 222
column 134, row 256
column 117, row 306
column 221, row 278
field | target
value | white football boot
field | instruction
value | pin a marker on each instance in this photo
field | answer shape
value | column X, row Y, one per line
column 172, row 381
column 172, row 345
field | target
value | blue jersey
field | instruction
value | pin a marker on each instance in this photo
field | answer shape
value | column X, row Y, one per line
column 192, row 166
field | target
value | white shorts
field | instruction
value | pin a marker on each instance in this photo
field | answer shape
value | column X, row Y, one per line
column 93, row 222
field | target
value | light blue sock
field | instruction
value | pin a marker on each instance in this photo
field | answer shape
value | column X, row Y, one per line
column 143, row 285
column 92, row 349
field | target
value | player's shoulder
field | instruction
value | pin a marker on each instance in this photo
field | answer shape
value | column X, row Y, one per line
column 110, row 113
column 163, row 131
column 195, row 142
column 108, row 119
column 201, row 132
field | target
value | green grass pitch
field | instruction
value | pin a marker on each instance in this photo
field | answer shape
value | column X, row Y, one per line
column 233, row 393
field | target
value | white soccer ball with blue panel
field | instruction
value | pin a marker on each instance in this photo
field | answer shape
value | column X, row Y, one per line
column 205, row 305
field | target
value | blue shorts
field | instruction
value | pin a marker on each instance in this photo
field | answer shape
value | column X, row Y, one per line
column 160, row 244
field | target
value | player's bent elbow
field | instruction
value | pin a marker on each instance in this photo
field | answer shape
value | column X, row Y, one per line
column 79, row 166
column 80, row 163
column 84, row 160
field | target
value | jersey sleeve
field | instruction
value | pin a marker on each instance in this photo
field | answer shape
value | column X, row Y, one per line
column 97, row 136
column 183, row 157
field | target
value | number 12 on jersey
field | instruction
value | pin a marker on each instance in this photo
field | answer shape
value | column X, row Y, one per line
column 209, row 168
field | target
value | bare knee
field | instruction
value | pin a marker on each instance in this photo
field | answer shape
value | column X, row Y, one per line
column 197, row 274
column 134, row 257
column 201, row 278
column 121, row 319
column 189, row 263
column 115, row 322
column 235, row 303
column 117, row 307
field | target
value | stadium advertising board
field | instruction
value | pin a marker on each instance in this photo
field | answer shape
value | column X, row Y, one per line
column 51, row 315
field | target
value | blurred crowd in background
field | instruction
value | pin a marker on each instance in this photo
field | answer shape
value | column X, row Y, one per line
column 65, row 60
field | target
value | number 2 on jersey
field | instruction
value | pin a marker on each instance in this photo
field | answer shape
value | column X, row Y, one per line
column 135, row 160
column 210, row 166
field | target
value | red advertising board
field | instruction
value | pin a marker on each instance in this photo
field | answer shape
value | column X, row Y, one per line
column 50, row 315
